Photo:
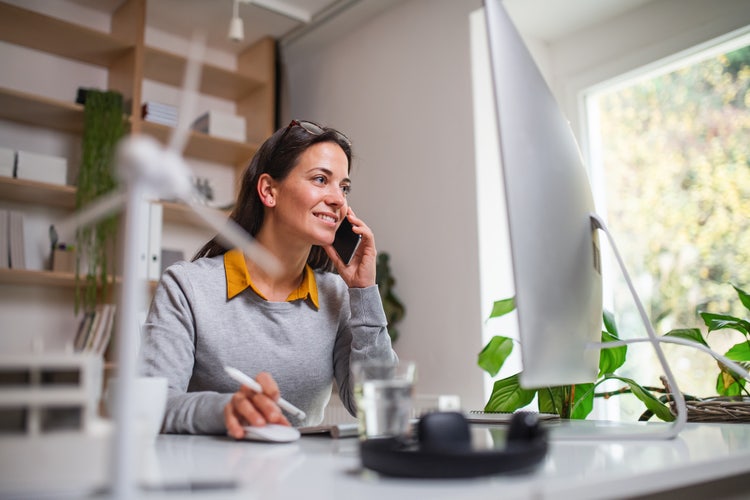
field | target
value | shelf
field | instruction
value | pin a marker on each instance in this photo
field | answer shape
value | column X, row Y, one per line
column 205, row 147
column 179, row 213
column 169, row 68
column 48, row 34
column 26, row 191
column 41, row 111
column 34, row 277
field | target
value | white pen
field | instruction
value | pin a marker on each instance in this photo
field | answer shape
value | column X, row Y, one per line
column 252, row 384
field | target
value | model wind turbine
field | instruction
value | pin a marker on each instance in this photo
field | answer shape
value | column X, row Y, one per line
column 150, row 171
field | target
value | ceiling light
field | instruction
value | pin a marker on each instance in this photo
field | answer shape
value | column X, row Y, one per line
column 236, row 26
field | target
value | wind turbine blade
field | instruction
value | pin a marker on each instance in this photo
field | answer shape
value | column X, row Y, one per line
column 98, row 209
column 190, row 85
column 232, row 234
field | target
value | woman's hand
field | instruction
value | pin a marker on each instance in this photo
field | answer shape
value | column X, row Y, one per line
column 360, row 273
column 248, row 407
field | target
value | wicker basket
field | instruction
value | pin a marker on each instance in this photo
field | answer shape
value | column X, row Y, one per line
column 719, row 409
column 735, row 409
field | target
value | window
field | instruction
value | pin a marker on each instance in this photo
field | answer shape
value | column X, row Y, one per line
column 670, row 157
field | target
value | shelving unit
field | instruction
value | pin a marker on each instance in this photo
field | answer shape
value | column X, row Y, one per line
column 128, row 61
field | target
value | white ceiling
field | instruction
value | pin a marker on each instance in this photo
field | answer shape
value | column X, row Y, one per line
column 544, row 19
column 549, row 20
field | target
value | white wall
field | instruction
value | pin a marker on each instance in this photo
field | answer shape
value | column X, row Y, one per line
column 400, row 86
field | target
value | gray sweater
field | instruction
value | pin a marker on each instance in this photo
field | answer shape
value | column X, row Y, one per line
column 192, row 331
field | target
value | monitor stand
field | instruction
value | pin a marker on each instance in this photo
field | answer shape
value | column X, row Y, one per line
column 610, row 430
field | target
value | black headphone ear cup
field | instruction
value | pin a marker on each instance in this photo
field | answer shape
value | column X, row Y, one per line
column 524, row 428
column 444, row 431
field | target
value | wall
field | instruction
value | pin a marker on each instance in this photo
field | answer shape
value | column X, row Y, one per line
column 399, row 85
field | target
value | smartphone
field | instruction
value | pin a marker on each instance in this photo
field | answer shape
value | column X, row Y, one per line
column 346, row 241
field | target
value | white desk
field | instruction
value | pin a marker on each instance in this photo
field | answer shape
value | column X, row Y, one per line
column 317, row 467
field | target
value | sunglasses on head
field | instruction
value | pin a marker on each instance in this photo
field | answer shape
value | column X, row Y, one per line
column 314, row 129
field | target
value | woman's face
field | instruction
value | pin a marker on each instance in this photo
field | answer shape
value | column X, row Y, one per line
column 311, row 200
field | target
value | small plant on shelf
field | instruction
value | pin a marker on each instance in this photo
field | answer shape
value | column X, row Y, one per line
column 104, row 125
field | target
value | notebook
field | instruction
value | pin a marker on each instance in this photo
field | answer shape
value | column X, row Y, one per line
column 335, row 431
column 492, row 417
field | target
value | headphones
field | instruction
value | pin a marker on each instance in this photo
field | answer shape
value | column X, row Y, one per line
column 443, row 449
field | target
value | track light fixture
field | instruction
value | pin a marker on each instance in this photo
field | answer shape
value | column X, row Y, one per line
column 236, row 26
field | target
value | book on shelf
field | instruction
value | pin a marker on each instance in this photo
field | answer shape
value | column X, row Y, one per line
column 102, row 342
column 95, row 330
column 16, row 243
column 159, row 113
column 4, row 240
column 161, row 121
column 84, row 327
column 41, row 168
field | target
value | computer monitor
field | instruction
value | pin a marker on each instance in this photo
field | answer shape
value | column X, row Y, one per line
column 554, row 247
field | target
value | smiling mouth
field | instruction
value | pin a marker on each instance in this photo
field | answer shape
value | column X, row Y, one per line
column 327, row 218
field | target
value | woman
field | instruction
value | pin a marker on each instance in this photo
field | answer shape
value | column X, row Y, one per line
column 296, row 332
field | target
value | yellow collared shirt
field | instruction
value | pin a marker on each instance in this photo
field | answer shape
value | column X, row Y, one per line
column 238, row 279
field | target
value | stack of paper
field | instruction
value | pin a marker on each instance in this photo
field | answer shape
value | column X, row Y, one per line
column 157, row 112
column 7, row 162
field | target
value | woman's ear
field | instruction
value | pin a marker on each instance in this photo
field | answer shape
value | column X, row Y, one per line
column 267, row 190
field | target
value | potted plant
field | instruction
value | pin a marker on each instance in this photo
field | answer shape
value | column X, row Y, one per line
column 394, row 309
column 568, row 401
column 577, row 401
column 103, row 127
column 729, row 405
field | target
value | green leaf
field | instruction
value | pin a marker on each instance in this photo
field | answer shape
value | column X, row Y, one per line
column 652, row 403
column 729, row 385
column 508, row 395
column 558, row 400
column 502, row 307
column 494, row 354
column 611, row 359
column 739, row 352
column 693, row 334
column 552, row 399
column 723, row 321
column 744, row 297
column 609, row 323
column 583, row 401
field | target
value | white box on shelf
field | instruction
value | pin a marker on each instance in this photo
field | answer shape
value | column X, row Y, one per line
column 42, row 168
column 222, row 125
column 7, row 162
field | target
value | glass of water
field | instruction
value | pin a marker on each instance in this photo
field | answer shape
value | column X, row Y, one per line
column 384, row 392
